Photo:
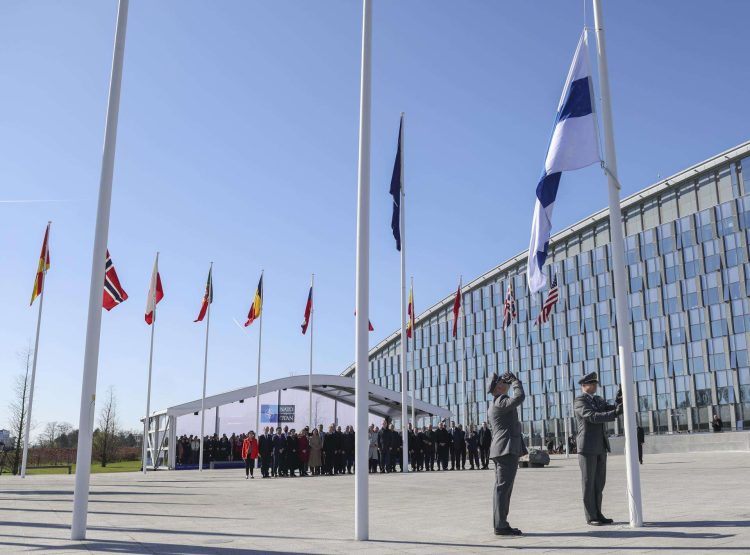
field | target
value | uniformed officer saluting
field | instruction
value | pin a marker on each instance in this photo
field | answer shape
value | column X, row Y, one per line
column 507, row 446
column 592, row 412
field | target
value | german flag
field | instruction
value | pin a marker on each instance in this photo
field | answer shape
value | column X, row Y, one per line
column 42, row 267
column 257, row 307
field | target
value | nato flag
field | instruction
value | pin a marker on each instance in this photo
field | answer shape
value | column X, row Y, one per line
column 396, row 191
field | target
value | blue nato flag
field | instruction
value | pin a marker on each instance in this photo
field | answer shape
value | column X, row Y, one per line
column 396, row 191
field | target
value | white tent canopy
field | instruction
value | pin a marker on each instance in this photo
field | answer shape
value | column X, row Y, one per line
column 383, row 402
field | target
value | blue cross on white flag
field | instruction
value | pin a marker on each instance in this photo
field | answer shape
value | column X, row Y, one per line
column 574, row 145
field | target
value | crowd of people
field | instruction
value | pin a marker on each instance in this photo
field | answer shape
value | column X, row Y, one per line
column 284, row 452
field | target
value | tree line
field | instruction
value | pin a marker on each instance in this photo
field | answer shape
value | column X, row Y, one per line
column 57, row 442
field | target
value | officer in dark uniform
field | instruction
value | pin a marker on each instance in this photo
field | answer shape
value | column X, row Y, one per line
column 592, row 413
column 507, row 446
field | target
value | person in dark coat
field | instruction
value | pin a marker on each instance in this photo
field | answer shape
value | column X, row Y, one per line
column 397, row 451
column 641, row 440
column 265, row 450
column 385, row 445
column 485, row 441
column 507, row 446
column 716, row 423
column 443, row 441
column 349, row 444
column 459, row 447
column 411, row 437
column 292, row 456
column 329, row 451
column 451, row 451
column 472, row 445
column 591, row 414
column 428, row 448
column 279, row 453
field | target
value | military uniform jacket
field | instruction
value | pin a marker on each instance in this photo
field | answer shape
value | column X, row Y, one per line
column 506, row 428
column 592, row 412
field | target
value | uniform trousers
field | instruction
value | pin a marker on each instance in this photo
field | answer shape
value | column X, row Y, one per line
column 593, row 477
column 505, row 474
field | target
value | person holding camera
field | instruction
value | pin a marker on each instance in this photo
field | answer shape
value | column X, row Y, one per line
column 591, row 414
column 507, row 446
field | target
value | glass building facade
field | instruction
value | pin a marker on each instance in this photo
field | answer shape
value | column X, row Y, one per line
column 686, row 251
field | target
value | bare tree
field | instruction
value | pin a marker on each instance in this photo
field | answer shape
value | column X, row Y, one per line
column 50, row 433
column 19, row 411
column 106, row 437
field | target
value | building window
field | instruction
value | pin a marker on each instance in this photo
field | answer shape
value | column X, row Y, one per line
column 731, row 279
column 703, row 226
column 691, row 261
column 636, row 277
column 690, row 296
column 738, row 350
column 697, row 319
column 695, row 357
column 658, row 332
column 740, row 316
column 631, row 250
column 711, row 255
column 734, row 254
column 718, row 315
column 670, row 298
column 666, row 238
column 676, row 329
column 710, row 286
column 636, row 307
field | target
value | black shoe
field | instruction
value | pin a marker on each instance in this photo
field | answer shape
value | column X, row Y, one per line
column 605, row 520
column 595, row 523
column 508, row 532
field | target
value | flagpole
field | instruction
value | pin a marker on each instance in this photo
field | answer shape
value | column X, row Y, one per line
column 27, row 428
column 210, row 293
column 464, row 357
column 404, row 346
column 146, row 425
column 94, row 323
column 260, row 342
column 309, row 385
column 361, row 345
column 619, row 269
column 413, row 348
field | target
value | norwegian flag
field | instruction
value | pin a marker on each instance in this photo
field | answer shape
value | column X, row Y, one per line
column 509, row 310
column 549, row 303
column 114, row 294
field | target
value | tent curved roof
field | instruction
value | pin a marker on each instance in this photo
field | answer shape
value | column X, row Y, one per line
column 382, row 401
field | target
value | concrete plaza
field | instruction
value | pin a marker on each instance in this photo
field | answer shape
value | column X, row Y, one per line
column 693, row 503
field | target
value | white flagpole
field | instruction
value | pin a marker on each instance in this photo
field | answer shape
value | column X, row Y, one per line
column 309, row 384
column 27, row 427
column 361, row 345
column 147, row 422
column 260, row 343
column 93, row 327
column 465, row 349
column 619, row 269
column 413, row 348
column 205, row 367
column 404, row 346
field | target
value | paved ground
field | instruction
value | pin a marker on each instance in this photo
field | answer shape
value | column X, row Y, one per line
column 694, row 503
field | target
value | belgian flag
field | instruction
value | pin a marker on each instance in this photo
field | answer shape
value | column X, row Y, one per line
column 257, row 307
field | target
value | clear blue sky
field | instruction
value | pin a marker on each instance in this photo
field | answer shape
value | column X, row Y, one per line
column 238, row 144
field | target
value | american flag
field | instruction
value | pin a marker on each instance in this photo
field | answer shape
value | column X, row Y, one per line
column 549, row 303
column 509, row 311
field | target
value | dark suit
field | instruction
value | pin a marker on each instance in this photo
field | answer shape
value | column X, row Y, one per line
column 506, row 448
column 459, row 448
column 384, row 446
column 265, row 448
column 592, row 413
column 472, row 445
column 443, row 440
column 485, row 440
column 428, row 449
column 279, row 447
column 641, row 440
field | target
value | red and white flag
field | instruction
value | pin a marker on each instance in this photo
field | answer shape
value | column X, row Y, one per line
column 155, row 293
column 456, row 308
column 114, row 294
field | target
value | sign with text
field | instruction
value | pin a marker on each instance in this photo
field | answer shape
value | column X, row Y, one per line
column 276, row 414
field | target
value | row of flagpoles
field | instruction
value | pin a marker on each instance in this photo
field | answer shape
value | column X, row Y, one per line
column 574, row 134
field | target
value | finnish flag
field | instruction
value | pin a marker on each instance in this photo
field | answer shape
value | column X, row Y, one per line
column 574, row 144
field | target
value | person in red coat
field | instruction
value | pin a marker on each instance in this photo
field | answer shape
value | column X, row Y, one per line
column 303, row 450
column 249, row 453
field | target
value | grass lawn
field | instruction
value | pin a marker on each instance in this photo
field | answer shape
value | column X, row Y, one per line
column 96, row 468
